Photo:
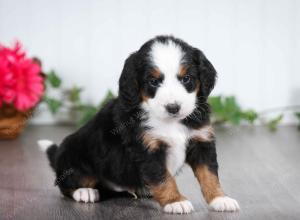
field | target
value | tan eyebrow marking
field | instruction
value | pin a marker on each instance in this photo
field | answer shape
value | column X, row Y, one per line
column 155, row 72
column 182, row 70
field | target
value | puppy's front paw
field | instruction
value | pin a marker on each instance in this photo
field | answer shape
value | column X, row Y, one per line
column 223, row 204
column 182, row 207
column 86, row 195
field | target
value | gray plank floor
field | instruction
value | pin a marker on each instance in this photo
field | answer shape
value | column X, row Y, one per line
column 258, row 168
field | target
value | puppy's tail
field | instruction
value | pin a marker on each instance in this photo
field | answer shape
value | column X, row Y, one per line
column 50, row 148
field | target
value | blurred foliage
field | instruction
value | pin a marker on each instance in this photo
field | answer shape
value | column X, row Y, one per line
column 225, row 109
column 297, row 114
column 73, row 96
column 273, row 123
column 109, row 95
column 88, row 111
column 53, row 80
column 53, row 104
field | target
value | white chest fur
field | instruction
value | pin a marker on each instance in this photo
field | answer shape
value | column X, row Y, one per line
column 175, row 135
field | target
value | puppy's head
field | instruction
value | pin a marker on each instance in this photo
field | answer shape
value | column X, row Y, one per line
column 167, row 78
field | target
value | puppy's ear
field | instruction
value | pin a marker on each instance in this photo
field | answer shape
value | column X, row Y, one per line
column 128, row 84
column 206, row 72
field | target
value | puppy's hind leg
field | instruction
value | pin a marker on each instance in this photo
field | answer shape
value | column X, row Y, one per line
column 86, row 195
column 80, row 188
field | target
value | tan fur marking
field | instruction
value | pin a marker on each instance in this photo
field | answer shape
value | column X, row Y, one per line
column 209, row 182
column 166, row 192
column 150, row 142
column 203, row 134
column 155, row 73
column 197, row 88
column 88, row 182
column 144, row 97
column 183, row 70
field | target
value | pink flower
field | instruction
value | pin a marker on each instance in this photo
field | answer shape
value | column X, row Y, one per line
column 20, row 81
column 6, row 81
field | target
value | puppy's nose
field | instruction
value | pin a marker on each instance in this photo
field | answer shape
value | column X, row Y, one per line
column 173, row 108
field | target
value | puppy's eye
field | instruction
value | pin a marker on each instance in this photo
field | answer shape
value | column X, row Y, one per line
column 153, row 82
column 186, row 79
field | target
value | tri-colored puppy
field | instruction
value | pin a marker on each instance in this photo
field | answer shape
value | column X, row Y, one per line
column 140, row 140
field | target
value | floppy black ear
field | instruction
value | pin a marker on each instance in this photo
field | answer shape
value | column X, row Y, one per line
column 128, row 84
column 206, row 72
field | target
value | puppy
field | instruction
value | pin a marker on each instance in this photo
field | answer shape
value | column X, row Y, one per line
column 140, row 140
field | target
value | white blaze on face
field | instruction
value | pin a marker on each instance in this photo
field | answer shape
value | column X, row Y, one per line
column 168, row 57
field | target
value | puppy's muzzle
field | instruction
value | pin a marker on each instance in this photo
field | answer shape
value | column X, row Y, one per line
column 173, row 109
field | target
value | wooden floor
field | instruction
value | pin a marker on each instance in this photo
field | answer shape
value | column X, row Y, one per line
column 258, row 168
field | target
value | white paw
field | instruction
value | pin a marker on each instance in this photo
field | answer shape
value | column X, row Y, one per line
column 182, row 207
column 86, row 195
column 223, row 204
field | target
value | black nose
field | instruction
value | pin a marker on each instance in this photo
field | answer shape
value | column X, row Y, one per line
column 173, row 108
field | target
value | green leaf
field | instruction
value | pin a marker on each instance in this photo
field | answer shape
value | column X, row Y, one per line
column 273, row 123
column 226, row 109
column 53, row 104
column 88, row 112
column 232, row 110
column 229, row 110
column 297, row 114
column 108, row 96
column 74, row 94
column 217, row 107
column 215, row 102
column 249, row 116
column 53, row 79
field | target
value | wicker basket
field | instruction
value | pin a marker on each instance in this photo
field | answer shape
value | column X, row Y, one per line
column 12, row 122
